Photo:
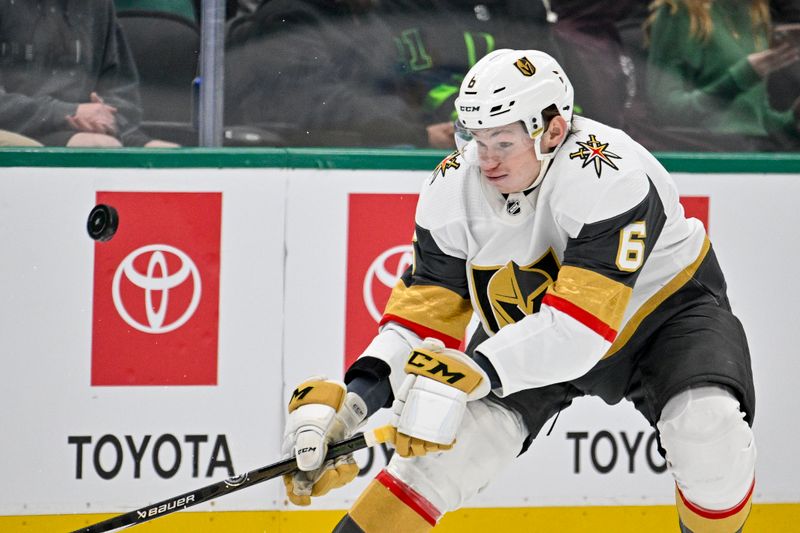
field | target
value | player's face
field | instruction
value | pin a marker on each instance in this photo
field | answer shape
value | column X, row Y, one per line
column 507, row 158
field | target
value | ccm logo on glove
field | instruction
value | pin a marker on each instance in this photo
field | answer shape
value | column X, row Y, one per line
column 443, row 368
column 299, row 394
column 306, row 450
column 320, row 411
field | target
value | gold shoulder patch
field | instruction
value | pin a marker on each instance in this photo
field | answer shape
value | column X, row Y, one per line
column 451, row 161
column 595, row 152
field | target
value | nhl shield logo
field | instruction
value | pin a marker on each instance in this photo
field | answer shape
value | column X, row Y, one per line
column 513, row 208
column 525, row 66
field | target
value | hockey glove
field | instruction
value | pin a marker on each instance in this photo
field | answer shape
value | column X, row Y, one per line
column 320, row 412
column 430, row 404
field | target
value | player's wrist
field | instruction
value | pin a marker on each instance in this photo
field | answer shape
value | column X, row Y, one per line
column 486, row 365
column 353, row 413
column 368, row 377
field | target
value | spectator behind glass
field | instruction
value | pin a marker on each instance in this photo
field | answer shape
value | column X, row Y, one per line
column 783, row 85
column 706, row 68
column 245, row 7
column 591, row 49
column 66, row 75
column 366, row 73
column 317, row 73
column 433, row 56
column 9, row 138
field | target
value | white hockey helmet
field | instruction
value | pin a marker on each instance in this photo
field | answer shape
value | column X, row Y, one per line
column 510, row 85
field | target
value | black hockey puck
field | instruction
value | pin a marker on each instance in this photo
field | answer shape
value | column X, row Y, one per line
column 102, row 223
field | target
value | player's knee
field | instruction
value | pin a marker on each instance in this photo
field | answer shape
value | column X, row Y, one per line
column 710, row 448
column 489, row 439
column 93, row 140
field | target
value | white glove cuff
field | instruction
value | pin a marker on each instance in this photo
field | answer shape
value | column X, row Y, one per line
column 432, row 411
column 392, row 345
column 353, row 413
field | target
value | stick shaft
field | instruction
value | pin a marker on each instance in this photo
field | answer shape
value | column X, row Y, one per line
column 221, row 488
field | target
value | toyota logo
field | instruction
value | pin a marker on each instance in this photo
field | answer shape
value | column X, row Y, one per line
column 379, row 270
column 157, row 279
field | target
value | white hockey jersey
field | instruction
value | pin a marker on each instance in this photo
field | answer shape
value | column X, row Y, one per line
column 561, row 276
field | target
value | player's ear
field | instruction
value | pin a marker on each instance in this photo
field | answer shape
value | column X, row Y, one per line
column 556, row 131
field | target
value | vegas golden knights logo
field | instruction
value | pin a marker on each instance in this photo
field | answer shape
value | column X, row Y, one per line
column 451, row 161
column 506, row 294
column 596, row 152
column 525, row 66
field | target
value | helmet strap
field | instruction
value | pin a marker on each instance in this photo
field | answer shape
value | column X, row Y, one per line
column 545, row 159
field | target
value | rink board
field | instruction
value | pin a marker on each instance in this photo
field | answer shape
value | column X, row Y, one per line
column 764, row 518
column 301, row 261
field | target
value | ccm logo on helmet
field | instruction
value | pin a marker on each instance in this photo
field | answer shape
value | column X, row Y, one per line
column 432, row 366
column 469, row 108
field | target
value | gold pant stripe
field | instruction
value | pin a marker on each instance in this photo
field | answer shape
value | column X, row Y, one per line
column 701, row 521
column 377, row 510
column 680, row 279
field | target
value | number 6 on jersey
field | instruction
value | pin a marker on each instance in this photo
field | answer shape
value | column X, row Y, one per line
column 631, row 246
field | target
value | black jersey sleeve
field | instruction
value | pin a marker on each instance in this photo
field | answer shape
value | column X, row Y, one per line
column 432, row 296
column 601, row 265
column 619, row 246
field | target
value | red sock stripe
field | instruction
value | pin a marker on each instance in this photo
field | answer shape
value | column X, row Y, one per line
column 422, row 331
column 717, row 515
column 581, row 315
column 410, row 497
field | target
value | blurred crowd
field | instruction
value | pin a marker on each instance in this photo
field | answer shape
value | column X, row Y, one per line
column 687, row 75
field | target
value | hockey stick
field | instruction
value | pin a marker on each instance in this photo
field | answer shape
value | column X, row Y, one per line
column 221, row 488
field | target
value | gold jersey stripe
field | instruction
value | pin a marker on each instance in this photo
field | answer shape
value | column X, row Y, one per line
column 431, row 306
column 324, row 392
column 725, row 523
column 377, row 510
column 680, row 279
column 598, row 295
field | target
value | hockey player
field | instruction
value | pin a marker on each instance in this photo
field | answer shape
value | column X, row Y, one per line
column 566, row 238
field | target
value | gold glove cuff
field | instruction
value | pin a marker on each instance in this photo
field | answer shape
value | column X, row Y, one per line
column 443, row 368
column 324, row 392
